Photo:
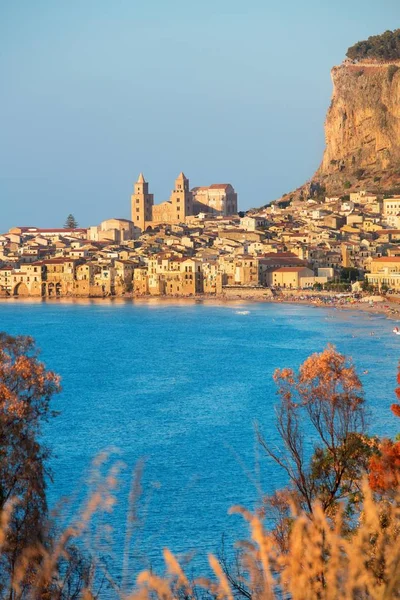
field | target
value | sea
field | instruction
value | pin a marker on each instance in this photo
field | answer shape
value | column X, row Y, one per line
column 159, row 406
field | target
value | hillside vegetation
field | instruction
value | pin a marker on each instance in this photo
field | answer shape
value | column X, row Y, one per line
column 383, row 47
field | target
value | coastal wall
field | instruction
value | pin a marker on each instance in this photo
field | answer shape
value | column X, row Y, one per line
column 245, row 292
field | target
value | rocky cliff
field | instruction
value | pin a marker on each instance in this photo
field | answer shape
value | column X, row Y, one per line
column 362, row 128
column 362, row 131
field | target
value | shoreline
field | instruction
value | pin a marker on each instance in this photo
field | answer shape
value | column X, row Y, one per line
column 385, row 307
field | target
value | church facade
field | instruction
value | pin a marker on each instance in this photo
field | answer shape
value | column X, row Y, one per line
column 217, row 199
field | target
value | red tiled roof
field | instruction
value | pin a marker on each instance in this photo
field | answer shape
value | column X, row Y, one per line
column 387, row 259
column 280, row 255
column 289, row 269
column 55, row 261
column 35, row 230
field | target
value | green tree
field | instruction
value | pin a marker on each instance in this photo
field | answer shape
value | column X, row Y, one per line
column 382, row 47
column 71, row 222
column 384, row 288
column 349, row 274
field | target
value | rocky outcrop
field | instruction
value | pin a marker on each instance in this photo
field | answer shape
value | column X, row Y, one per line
column 362, row 132
column 362, row 128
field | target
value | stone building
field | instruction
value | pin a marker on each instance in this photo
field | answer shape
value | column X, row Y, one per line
column 144, row 213
column 217, row 199
column 385, row 270
column 178, row 207
column 141, row 203
column 293, row 277
column 114, row 230
column 391, row 211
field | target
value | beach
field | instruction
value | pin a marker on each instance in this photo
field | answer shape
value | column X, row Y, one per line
column 389, row 306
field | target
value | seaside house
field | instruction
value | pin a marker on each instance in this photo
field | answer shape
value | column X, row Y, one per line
column 385, row 271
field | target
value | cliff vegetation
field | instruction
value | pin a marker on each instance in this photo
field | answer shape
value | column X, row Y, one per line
column 384, row 47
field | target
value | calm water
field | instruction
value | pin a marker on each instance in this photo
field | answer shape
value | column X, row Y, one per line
column 181, row 385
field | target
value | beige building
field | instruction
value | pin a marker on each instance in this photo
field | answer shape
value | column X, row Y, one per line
column 6, row 281
column 52, row 277
column 385, row 271
column 145, row 213
column 114, row 230
column 141, row 203
column 51, row 233
column 246, row 271
column 391, row 206
column 391, row 211
column 362, row 197
column 25, row 281
column 171, row 276
column 292, row 277
column 217, row 199
column 252, row 223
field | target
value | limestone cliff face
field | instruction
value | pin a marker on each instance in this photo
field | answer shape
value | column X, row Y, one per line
column 362, row 128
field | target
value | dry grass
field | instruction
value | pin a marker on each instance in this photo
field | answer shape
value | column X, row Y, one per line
column 321, row 563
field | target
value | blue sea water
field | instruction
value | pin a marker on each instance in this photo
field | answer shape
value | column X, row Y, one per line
column 181, row 385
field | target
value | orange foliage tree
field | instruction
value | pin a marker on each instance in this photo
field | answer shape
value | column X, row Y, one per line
column 323, row 403
column 384, row 468
column 26, row 388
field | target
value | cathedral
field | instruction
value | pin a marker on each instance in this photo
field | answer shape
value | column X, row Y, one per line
column 217, row 199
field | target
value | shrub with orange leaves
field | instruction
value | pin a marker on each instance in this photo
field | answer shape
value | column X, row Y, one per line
column 324, row 401
column 396, row 409
column 26, row 389
column 384, row 472
column 384, row 468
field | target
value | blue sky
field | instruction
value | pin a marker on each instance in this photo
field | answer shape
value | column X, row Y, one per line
column 93, row 92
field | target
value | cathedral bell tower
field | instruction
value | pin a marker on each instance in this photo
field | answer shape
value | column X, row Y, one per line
column 181, row 199
column 141, row 203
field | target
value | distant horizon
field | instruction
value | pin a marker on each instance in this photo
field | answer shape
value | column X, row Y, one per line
column 93, row 95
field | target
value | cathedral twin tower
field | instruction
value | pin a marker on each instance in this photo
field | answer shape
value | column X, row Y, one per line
column 217, row 199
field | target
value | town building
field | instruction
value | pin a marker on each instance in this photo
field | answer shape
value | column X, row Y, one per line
column 216, row 199
column 183, row 203
column 114, row 230
column 385, row 271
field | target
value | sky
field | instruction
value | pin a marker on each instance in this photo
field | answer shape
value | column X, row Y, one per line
column 92, row 92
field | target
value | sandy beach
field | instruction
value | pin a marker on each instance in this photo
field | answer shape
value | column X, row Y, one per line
column 387, row 306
